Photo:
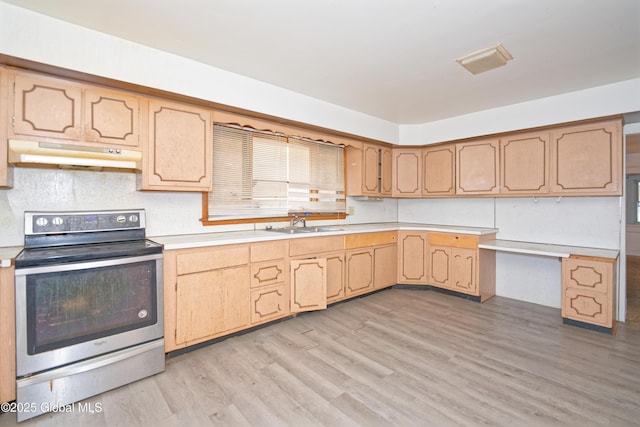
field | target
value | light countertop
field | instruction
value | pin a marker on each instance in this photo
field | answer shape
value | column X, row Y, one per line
column 544, row 249
column 226, row 238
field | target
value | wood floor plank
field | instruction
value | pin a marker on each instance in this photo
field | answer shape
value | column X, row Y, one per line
column 397, row 357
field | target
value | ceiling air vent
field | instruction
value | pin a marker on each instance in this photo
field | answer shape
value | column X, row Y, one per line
column 485, row 59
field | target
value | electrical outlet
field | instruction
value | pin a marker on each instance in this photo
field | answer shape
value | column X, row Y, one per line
column 351, row 210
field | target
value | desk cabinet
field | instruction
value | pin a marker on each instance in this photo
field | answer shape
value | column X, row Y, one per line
column 588, row 291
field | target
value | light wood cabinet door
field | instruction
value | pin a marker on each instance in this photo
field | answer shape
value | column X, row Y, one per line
column 46, row 107
column 177, row 155
column 211, row 303
column 525, row 164
column 269, row 303
column 412, row 257
column 385, row 266
column 464, row 271
column 477, row 167
column 308, row 284
column 359, row 276
column 371, row 170
column 6, row 173
column 587, row 159
column 438, row 171
column 440, row 266
column 407, row 172
column 112, row 118
column 588, row 291
column 335, row 277
column 7, row 335
column 386, row 171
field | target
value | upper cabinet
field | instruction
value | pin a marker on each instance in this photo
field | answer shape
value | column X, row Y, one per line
column 524, row 164
column 438, row 171
column 477, row 167
column 57, row 110
column 6, row 173
column 177, row 154
column 369, row 170
column 587, row 159
column 407, row 172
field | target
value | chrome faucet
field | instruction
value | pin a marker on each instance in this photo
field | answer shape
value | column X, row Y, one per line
column 296, row 220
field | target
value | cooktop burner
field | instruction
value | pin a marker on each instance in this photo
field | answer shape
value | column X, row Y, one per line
column 76, row 253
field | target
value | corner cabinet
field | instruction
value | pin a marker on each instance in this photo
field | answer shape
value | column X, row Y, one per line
column 412, row 257
column 588, row 292
column 477, row 167
column 587, row 159
column 407, row 172
column 456, row 264
column 177, row 154
column 438, row 171
column 369, row 170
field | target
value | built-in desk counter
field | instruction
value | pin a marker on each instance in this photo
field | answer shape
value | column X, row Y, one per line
column 550, row 250
column 588, row 280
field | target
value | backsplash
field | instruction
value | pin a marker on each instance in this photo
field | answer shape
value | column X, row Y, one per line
column 168, row 213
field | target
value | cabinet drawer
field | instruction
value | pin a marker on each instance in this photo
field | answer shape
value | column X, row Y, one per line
column 268, row 250
column 364, row 240
column 267, row 273
column 589, row 307
column 587, row 275
column 211, row 259
column 453, row 240
column 314, row 245
column 268, row 303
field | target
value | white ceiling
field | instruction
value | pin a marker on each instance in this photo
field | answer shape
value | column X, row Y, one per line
column 392, row 59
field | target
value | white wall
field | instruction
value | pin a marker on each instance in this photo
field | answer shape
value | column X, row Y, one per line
column 616, row 98
column 40, row 38
column 579, row 221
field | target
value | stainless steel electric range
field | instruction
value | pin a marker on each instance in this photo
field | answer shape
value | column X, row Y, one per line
column 89, row 309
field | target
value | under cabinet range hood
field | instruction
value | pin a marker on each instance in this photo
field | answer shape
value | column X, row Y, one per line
column 34, row 153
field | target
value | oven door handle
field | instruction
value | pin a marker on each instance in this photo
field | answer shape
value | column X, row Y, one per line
column 85, row 265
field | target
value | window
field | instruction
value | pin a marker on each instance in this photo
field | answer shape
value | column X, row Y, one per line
column 264, row 176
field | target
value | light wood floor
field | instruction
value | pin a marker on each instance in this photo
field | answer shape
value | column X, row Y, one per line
column 398, row 357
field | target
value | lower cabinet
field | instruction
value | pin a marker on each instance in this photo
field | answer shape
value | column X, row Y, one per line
column 211, row 303
column 454, row 269
column 412, row 257
column 385, row 266
column 359, row 271
column 371, row 261
column 454, row 263
column 588, row 292
column 335, row 276
column 308, row 284
column 7, row 335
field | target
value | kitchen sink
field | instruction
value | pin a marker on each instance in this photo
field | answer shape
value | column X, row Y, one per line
column 304, row 230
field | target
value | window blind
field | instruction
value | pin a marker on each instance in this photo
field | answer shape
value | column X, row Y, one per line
column 261, row 174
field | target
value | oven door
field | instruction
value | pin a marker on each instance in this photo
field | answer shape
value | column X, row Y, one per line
column 70, row 312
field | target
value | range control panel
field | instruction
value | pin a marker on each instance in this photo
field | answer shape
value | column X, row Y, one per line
column 71, row 222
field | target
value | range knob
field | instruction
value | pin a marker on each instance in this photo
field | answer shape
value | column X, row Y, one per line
column 57, row 221
column 133, row 218
column 41, row 221
column 120, row 219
